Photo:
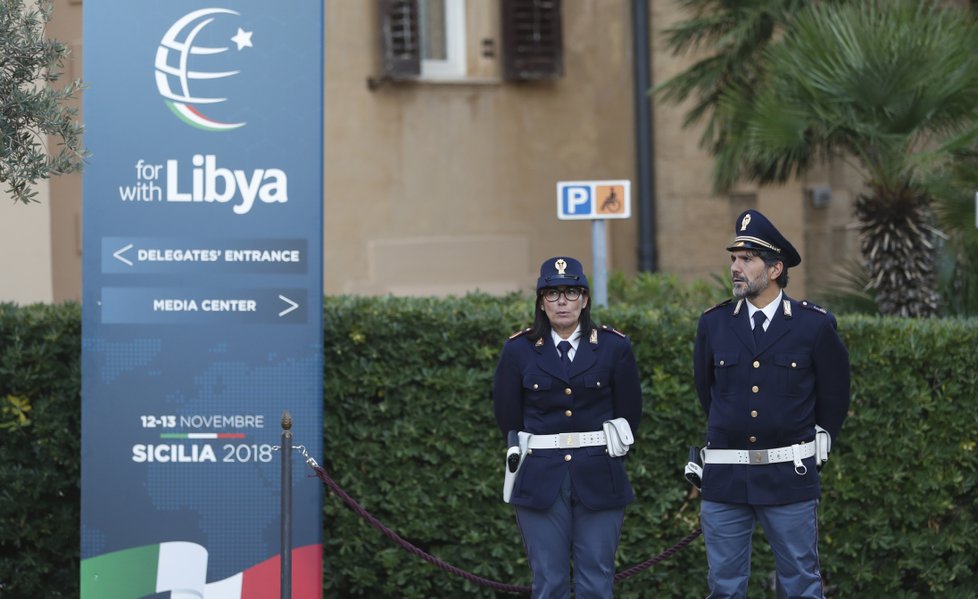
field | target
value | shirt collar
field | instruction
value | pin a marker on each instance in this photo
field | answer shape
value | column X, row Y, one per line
column 769, row 310
column 574, row 338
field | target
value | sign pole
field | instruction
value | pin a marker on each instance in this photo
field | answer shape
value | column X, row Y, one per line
column 286, row 549
column 599, row 249
column 596, row 201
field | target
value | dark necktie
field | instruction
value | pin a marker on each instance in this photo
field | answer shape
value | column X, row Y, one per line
column 759, row 319
column 565, row 347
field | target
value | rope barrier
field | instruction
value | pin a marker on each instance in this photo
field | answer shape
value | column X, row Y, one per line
column 628, row 572
column 499, row 586
column 373, row 521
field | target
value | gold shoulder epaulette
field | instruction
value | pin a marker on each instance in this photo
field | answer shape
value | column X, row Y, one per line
column 605, row 327
column 720, row 305
column 520, row 332
column 809, row 305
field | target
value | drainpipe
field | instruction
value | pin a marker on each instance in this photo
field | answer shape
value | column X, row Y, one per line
column 645, row 189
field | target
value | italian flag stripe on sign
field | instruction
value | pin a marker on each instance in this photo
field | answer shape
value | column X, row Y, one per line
column 181, row 568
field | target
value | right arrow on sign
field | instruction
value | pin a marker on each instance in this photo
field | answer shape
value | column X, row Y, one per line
column 292, row 305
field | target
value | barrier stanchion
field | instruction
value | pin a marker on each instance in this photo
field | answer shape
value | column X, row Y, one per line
column 286, row 562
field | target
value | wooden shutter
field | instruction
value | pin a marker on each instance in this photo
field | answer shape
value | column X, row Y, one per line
column 401, row 38
column 532, row 40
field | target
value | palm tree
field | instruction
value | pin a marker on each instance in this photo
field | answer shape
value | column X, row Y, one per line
column 737, row 32
column 955, row 190
column 888, row 85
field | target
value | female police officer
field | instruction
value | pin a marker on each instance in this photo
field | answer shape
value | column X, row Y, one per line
column 571, row 386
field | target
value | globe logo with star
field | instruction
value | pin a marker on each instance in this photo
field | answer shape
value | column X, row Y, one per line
column 195, row 64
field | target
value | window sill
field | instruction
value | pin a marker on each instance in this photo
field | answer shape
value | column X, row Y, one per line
column 458, row 80
column 375, row 83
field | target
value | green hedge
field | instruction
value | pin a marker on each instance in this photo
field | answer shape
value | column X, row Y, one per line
column 409, row 433
column 40, row 434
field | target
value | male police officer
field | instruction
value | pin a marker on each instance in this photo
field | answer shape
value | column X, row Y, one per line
column 769, row 372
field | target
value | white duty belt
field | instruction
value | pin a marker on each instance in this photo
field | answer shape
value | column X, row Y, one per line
column 568, row 440
column 759, row 457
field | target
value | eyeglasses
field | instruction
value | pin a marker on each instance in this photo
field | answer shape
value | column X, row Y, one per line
column 571, row 293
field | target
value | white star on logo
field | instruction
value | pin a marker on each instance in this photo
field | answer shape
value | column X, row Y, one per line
column 242, row 38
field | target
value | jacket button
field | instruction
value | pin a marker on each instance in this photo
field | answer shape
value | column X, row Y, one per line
column 753, row 413
column 529, row 451
column 721, row 362
column 568, row 391
column 757, row 364
column 597, row 384
column 568, row 413
column 535, row 386
column 567, row 458
column 753, row 439
column 755, row 388
column 794, row 364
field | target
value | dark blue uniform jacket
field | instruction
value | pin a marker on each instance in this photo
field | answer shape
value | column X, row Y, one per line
column 769, row 396
column 532, row 394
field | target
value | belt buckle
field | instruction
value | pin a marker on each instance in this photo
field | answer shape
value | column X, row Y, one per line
column 569, row 441
column 758, row 457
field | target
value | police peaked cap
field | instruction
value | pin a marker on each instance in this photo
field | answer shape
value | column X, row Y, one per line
column 755, row 232
column 561, row 271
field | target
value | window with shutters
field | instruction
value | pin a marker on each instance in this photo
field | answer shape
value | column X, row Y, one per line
column 424, row 39
column 532, row 39
column 471, row 40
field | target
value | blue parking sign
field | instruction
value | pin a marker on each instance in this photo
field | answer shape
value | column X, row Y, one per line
column 593, row 200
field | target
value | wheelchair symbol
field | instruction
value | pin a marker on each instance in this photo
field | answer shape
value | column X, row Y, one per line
column 611, row 203
column 612, row 199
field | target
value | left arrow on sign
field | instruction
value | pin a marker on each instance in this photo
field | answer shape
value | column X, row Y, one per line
column 118, row 255
column 292, row 305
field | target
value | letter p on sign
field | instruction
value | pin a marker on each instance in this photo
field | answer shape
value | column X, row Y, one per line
column 577, row 200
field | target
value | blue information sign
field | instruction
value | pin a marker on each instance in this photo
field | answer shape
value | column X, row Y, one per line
column 202, row 296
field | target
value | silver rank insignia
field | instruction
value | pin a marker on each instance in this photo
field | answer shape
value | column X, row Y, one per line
column 745, row 222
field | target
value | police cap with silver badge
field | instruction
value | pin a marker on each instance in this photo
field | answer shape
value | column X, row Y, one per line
column 755, row 232
column 561, row 271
